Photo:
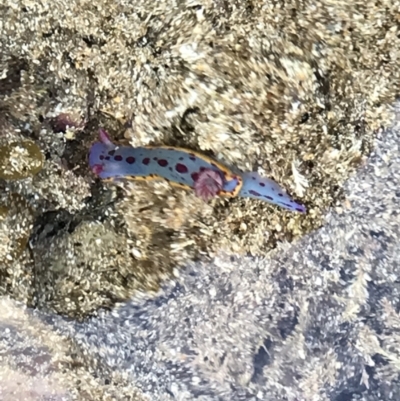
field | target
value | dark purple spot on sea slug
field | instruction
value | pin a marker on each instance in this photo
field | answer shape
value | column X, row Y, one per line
column 262, row 184
column 155, row 158
column 170, row 168
column 146, row 161
column 202, row 169
column 268, row 197
column 280, row 194
column 193, row 158
column 101, row 157
column 253, row 178
column 111, row 152
column 181, row 168
column 195, row 176
column 118, row 158
column 299, row 209
column 181, row 158
column 254, row 193
column 107, row 157
column 163, row 163
column 130, row 160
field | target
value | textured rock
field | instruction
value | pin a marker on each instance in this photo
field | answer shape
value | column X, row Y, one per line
column 318, row 321
column 295, row 89
column 37, row 364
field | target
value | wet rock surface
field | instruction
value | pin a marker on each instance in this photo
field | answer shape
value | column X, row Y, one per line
column 299, row 92
column 296, row 91
column 37, row 364
column 319, row 320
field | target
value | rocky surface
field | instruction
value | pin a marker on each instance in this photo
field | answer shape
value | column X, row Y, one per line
column 37, row 364
column 319, row 321
column 297, row 90
column 294, row 90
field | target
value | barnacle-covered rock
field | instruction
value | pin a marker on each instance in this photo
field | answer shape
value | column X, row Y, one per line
column 129, row 247
column 295, row 94
column 81, row 269
column 19, row 160
column 61, row 257
column 16, row 222
column 293, row 90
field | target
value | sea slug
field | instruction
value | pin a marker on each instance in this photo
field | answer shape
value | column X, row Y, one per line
column 183, row 168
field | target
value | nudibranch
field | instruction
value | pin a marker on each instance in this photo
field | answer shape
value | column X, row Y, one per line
column 183, row 168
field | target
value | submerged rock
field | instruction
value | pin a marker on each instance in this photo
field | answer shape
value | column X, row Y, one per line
column 16, row 220
column 19, row 160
